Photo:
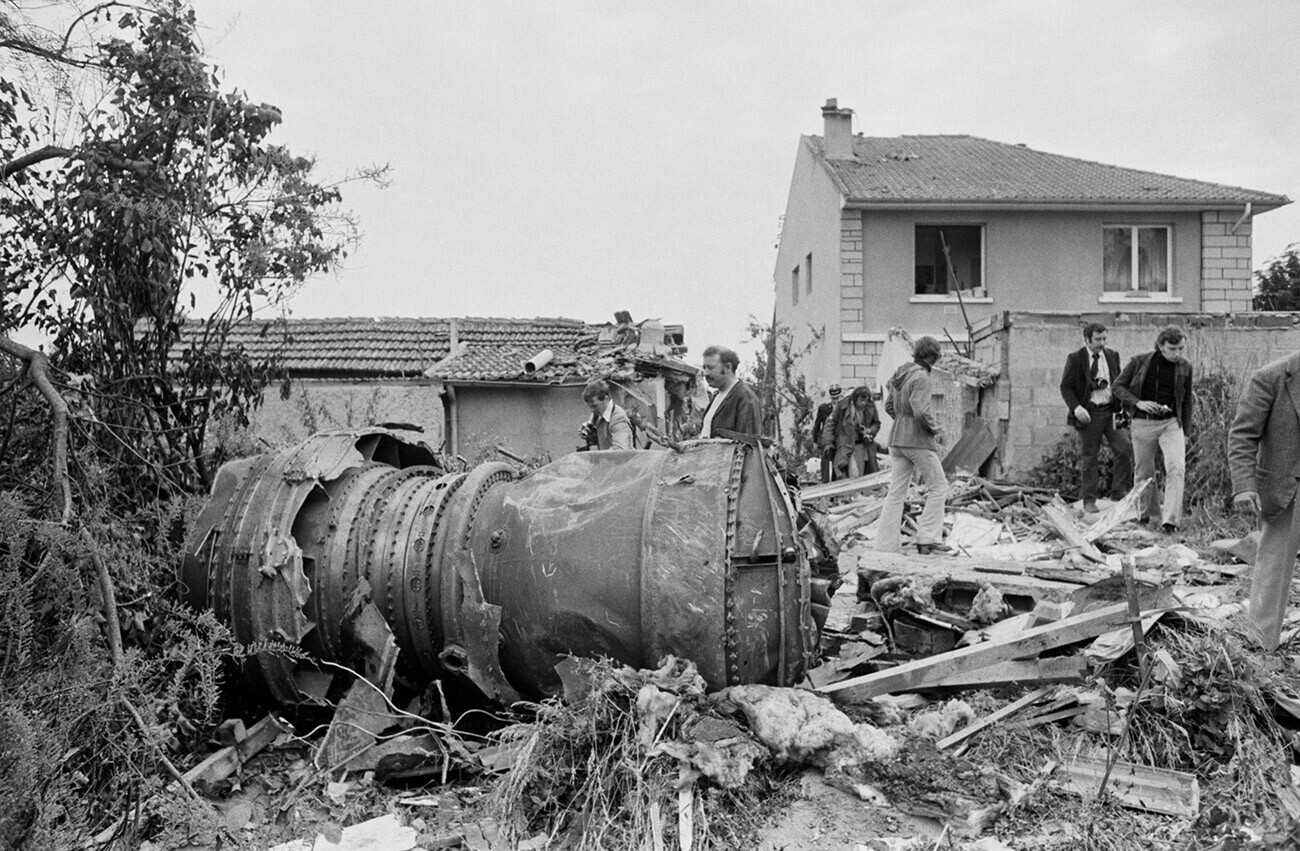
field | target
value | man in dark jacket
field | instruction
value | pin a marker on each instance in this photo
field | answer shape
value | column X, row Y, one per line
column 826, row 447
column 1156, row 388
column 734, row 408
column 1264, row 460
column 1085, row 387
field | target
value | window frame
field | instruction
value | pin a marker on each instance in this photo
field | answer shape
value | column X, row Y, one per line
column 1133, row 293
column 794, row 285
column 952, row 297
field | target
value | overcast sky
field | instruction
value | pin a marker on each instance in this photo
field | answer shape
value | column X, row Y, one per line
column 577, row 158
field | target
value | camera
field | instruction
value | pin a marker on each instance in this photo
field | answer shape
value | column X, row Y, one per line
column 1099, row 384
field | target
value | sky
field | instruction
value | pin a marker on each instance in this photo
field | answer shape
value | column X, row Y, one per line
column 572, row 158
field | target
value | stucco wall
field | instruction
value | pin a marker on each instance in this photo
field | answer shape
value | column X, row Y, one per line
column 322, row 405
column 1033, row 260
column 529, row 421
column 811, row 225
column 1029, row 401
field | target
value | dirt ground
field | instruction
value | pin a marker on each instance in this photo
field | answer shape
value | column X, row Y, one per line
column 824, row 818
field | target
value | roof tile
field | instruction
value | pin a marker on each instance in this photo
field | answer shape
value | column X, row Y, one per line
column 968, row 169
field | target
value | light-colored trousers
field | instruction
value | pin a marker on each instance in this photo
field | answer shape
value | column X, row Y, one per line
column 904, row 460
column 1168, row 435
column 1270, row 581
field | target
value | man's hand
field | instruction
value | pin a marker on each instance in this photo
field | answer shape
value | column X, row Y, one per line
column 1150, row 407
column 1081, row 414
column 1247, row 501
column 587, row 432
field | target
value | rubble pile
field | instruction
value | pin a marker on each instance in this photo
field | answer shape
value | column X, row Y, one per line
column 1105, row 662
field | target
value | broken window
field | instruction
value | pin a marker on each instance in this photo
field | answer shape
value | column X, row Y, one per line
column 965, row 244
column 1135, row 259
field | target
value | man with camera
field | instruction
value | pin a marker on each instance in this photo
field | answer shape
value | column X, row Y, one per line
column 609, row 426
column 1157, row 388
column 1086, row 389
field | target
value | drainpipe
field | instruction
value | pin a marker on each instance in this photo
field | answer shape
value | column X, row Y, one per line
column 1244, row 215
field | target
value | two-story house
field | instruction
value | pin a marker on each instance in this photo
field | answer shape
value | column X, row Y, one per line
column 883, row 232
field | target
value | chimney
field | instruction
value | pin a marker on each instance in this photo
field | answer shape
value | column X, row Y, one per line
column 838, row 144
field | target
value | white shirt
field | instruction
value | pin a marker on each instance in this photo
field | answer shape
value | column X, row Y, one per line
column 713, row 407
column 1102, row 396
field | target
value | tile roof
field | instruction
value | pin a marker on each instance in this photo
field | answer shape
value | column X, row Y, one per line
column 489, row 349
column 968, row 169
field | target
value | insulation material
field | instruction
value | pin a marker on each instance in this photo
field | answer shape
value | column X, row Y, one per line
column 803, row 727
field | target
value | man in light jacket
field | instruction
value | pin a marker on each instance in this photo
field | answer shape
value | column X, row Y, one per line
column 914, row 447
column 1264, row 461
column 609, row 427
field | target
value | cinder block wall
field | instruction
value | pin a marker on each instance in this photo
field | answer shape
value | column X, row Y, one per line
column 1225, row 262
column 858, row 362
column 1028, row 395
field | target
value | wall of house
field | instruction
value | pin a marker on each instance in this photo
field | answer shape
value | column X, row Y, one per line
column 810, row 226
column 320, row 405
column 1027, row 400
column 529, row 421
column 1226, row 280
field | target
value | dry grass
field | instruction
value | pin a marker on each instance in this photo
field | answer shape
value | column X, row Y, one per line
column 602, row 774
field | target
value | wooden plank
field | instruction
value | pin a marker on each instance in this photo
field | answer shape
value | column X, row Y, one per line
column 959, row 573
column 972, row 449
column 845, row 486
column 1058, row 515
column 1058, row 715
column 935, row 669
column 1140, row 787
column 230, row 759
column 1057, row 669
column 1113, row 516
column 993, row 718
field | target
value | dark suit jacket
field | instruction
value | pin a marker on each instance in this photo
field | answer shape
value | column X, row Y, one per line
column 1264, row 440
column 1129, row 385
column 1076, row 380
column 819, row 424
column 738, row 412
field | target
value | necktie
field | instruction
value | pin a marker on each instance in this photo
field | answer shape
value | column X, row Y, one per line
column 1093, row 373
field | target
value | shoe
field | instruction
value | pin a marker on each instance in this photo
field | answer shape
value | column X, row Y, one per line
column 934, row 549
column 1090, row 506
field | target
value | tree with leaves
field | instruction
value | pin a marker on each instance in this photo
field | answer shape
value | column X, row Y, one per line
column 782, row 390
column 1277, row 285
column 130, row 182
column 169, row 184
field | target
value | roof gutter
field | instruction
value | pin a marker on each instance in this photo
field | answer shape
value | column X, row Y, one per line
column 1060, row 206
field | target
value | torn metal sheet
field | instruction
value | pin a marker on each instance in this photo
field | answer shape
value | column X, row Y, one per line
column 490, row 578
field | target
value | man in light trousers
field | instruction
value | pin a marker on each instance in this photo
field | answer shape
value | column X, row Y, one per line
column 1264, row 460
column 1156, row 388
column 914, row 447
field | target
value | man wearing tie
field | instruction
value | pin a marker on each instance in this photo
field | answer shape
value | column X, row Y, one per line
column 1086, row 388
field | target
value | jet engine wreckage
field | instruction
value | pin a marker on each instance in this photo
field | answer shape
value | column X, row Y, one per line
column 352, row 543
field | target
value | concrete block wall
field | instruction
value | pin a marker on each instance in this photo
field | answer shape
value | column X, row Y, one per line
column 1235, row 344
column 851, row 282
column 858, row 362
column 1225, row 262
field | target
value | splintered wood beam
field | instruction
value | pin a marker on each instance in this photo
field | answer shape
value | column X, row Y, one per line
column 1157, row 790
column 1113, row 516
column 845, row 486
column 1057, row 669
column 934, row 670
column 992, row 718
column 1058, row 515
